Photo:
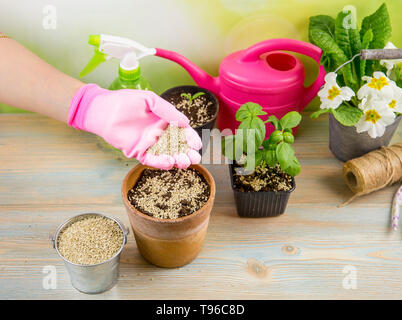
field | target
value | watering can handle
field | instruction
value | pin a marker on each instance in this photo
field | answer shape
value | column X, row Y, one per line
column 254, row 52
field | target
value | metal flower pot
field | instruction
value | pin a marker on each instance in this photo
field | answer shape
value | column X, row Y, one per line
column 345, row 143
column 94, row 278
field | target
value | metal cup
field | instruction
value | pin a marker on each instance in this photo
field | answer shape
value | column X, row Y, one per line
column 94, row 278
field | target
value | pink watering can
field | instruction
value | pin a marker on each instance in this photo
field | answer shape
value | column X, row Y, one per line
column 261, row 74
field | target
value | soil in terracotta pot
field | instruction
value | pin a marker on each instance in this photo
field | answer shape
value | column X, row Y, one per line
column 200, row 111
column 169, row 194
column 264, row 178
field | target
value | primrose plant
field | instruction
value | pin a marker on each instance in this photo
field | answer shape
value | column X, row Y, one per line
column 365, row 94
column 248, row 147
column 191, row 97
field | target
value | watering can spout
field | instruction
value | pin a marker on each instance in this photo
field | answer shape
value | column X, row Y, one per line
column 202, row 78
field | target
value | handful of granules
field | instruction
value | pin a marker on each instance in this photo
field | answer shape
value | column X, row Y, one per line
column 172, row 141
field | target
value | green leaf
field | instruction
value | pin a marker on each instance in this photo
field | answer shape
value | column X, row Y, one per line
column 186, row 95
column 249, row 110
column 276, row 137
column 367, row 38
column 253, row 160
column 327, row 43
column 288, row 137
column 348, row 39
column 196, row 95
column 324, row 23
column 347, row 115
column 274, row 120
column 231, row 148
column 249, row 124
column 290, row 120
column 316, row 114
column 343, row 25
column 294, row 167
column 379, row 23
column 270, row 157
column 284, row 153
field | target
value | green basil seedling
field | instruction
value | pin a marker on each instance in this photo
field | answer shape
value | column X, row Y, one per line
column 249, row 140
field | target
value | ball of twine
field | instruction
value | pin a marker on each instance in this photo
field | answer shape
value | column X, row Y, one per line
column 373, row 171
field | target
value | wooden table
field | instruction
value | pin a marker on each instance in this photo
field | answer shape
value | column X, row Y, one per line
column 50, row 172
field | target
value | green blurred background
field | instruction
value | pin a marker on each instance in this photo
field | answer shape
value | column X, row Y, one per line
column 204, row 31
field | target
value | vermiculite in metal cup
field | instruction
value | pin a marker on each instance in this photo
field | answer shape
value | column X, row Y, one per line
column 90, row 245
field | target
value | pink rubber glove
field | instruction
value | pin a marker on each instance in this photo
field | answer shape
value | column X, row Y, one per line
column 132, row 121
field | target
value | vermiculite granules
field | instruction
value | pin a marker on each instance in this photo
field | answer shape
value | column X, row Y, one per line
column 91, row 240
column 169, row 194
column 172, row 141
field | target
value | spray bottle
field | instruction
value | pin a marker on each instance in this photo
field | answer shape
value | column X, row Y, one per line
column 128, row 52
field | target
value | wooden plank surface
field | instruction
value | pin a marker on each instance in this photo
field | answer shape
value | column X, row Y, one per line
column 50, row 172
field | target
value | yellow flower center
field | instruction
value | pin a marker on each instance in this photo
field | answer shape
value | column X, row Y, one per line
column 333, row 93
column 392, row 104
column 378, row 84
column 373, row 116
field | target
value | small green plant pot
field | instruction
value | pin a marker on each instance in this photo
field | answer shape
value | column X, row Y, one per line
column 261, row 204
column 192, row 90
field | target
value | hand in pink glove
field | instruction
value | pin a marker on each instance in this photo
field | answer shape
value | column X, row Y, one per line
column 132, row 121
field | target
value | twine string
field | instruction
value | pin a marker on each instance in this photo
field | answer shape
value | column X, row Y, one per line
column 373, row 171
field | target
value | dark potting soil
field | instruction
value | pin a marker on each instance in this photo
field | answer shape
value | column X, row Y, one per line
column 169, row 194
column 263, row 178
column 199, row 112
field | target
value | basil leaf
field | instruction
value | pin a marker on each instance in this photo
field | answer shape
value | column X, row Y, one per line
column 274, row 120
column 249, row 110
column 198, row 94
column 255, row 124
column 290, row 120
column 253, row 160
column 294, row 167
column 231, row 148
column 347, row 115
column 284, row 153
column 270, row 157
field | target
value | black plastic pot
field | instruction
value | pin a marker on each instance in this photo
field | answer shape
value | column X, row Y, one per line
column 192, row 90
column 261, row 204
column 345, row 143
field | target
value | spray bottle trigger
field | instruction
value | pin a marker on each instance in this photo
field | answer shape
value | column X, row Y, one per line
column 95, row 61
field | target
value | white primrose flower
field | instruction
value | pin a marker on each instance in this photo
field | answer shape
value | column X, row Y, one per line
column 395, row 104
column 377, row 87
column 376, row 116
column 331, row 95
column 390, row 64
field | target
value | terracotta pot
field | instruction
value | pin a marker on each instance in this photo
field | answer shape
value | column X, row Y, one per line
column 345, row 143
column 192, row 90
column 168, row 243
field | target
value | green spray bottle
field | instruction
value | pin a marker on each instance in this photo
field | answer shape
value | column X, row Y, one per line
column 128, row 52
